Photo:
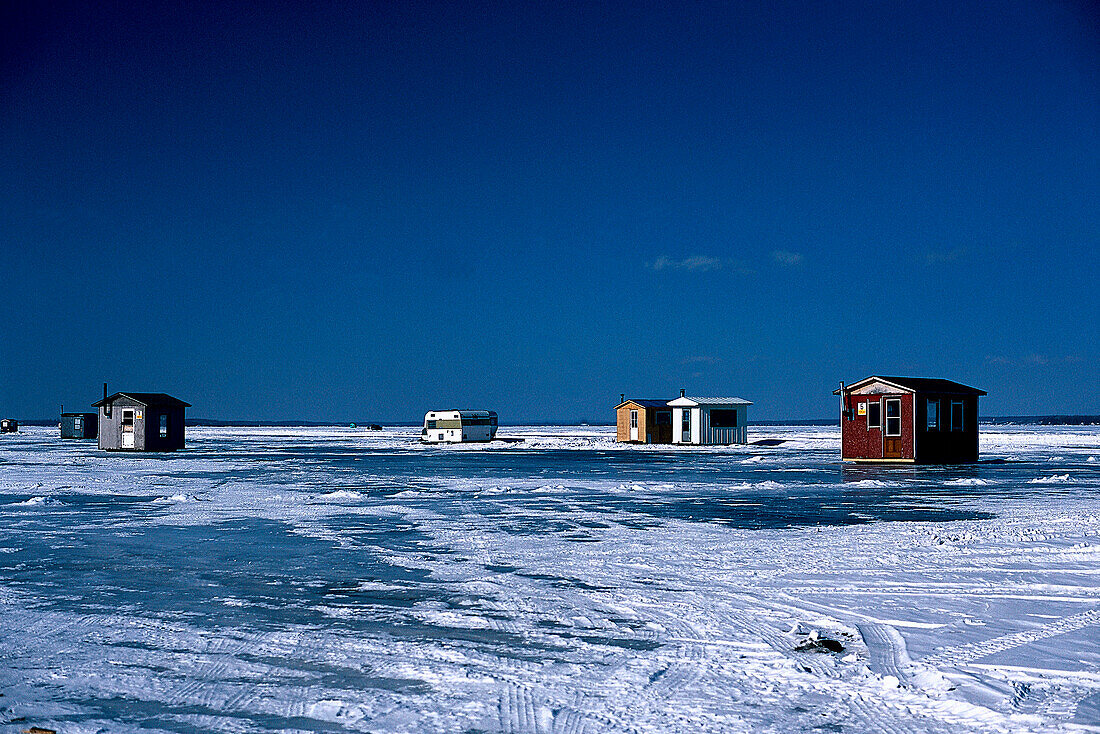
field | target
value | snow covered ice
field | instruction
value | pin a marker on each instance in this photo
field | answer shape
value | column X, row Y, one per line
column 332, row 579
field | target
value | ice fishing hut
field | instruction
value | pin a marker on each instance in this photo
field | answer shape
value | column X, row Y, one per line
column 79, row 425
column 915, row 420
column 140, row 421
column 643, row 421
column 9, row 425
column 709, row 421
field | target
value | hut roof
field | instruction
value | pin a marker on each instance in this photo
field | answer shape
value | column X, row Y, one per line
column 920, row 384
column 691, row 399
column 644, row 403
column 148, row 399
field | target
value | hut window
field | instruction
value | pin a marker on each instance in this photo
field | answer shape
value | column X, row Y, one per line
column 956, row 415
column 933, row 415
column 685, row 424
column 78, row 424
column 633, row 419
column 874, row 415
column 664, row 417
column 893, row 417
column 164, row 425
column 723, row 419
column 433, row 424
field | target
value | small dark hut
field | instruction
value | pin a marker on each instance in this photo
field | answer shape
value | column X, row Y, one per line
column 915, row 420
column 79, row 425
column 9, row 425
column 140, row 421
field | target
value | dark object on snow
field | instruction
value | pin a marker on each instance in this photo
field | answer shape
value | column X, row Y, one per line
column 140, row 421
column 79, row 425
column 820, row 644
column 913, row 420
column 39, row 730
column 374, row 427
column 9, row 425
column 768, row 442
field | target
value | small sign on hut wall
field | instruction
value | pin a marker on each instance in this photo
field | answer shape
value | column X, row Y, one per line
column 861, row 409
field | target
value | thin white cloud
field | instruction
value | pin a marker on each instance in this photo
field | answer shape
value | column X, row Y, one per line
column 944, row 256
column 786, row 257
column 697, row 263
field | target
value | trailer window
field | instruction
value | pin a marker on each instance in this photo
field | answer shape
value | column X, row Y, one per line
column 723, row 419
column 956, row 415
column 933, row 415
column 874, row 415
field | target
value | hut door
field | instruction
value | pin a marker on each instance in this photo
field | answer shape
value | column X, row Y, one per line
column 633, row 425
column 127, row 429
column 892, row 440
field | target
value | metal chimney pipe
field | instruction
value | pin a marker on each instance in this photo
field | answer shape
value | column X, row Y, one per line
column 106, row 406
column 681, row 392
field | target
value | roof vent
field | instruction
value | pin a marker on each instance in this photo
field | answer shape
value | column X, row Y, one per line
column 681, row 392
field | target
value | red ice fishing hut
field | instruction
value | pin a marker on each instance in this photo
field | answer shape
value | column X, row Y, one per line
column 915, row 420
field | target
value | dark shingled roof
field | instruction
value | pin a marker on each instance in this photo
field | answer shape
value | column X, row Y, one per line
column 923, row 384
column 148, row 399
column 645, row 403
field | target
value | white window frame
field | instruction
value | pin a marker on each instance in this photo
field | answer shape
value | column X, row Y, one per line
column 877, row 426
column 685, row 423
column 962, row 415
column 887, row 417
column 633, row 419
column 928, row 424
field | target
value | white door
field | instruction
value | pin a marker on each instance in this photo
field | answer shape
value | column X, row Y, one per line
column 633, row 425
column 127, row 429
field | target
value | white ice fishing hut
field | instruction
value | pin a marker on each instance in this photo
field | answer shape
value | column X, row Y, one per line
column 458, row 426
column 709, row 421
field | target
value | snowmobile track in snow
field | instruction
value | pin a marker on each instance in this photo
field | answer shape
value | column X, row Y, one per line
column 959, row 656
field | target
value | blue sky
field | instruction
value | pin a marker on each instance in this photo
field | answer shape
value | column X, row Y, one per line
column 368, row 211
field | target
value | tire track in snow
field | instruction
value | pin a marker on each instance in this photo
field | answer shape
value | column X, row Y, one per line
column 568, row 721
column 886, row 651
column 963, row 654
column 517, row 711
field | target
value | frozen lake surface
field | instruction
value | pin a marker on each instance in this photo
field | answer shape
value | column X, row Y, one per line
column 332, row 579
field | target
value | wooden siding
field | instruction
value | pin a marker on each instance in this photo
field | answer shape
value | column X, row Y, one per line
column 858, row 442
column 648, row 429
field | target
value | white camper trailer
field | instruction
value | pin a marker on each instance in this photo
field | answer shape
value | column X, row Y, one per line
column 457, row 426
